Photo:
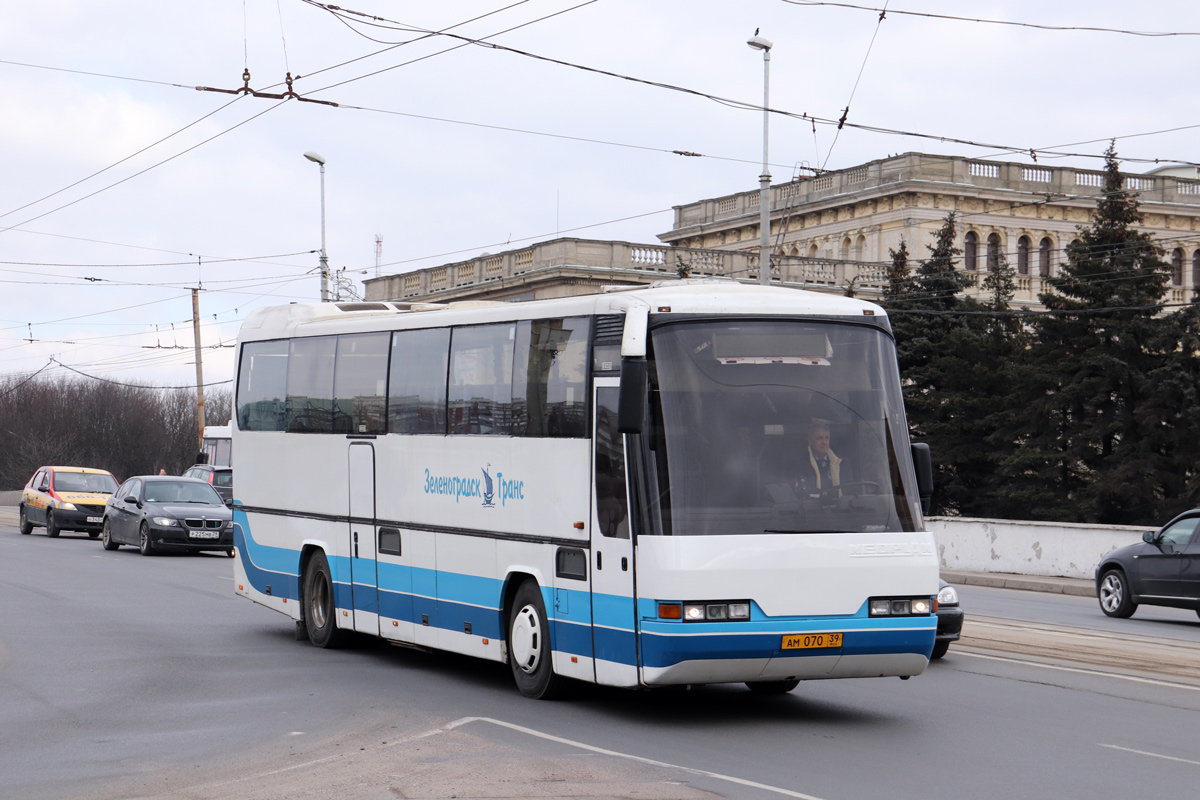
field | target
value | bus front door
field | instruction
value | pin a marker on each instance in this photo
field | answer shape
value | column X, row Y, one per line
column 614, row 593
column 363, row 566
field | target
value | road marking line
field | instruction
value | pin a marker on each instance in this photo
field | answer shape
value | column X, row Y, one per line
column 1144, row 753
column 652, row 762
column 1116, row 675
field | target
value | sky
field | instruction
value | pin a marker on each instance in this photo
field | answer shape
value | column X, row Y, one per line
column 123, row 187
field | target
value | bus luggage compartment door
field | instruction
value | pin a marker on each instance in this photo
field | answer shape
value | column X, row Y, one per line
column 363, row 566
column 614, row 606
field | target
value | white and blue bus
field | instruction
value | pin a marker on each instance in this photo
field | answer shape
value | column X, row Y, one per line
column 617, row 488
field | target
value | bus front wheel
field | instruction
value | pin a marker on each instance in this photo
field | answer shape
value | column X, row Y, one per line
column 529, row 645
column 320, row 611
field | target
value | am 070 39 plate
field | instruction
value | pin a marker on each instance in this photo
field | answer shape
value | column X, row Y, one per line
column 809, row 641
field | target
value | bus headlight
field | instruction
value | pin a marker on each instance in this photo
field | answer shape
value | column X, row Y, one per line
column 705, row 611
column 900, row 606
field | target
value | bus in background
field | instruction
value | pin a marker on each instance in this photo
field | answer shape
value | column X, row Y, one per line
column 218, row 444
column 616, row 488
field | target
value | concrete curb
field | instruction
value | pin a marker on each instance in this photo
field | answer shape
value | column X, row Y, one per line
column 1030, row 583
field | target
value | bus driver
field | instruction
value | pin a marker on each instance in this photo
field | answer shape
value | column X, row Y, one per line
column 824, row 469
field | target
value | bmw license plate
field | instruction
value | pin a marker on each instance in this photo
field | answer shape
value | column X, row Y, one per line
column 807, row 641
column 204, row 534
column 97, row 520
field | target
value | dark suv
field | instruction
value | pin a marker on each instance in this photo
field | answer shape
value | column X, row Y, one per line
column 220, row 478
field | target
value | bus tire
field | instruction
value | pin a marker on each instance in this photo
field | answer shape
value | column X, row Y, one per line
column 51, row 528
column 529, row 653
column 26, row 525
column 772, row 687
column 320, row 610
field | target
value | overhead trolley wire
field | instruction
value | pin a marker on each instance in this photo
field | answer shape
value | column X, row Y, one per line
column 1040, row 26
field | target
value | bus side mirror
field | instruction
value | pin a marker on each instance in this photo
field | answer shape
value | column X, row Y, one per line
column 923, row 464
column 631, row 403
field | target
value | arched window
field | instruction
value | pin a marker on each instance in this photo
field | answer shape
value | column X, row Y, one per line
column 860, row 248
column 1023, row 255
column 845, row 251
column 1196, row 270
column 1044, row 257
column 813, row 250
column 993, row 252
column 970, row 246
column 1177, row 267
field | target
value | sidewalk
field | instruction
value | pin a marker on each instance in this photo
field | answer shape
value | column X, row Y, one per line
column 1029, row 583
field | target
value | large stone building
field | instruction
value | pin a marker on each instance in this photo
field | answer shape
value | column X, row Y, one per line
column 834, row 232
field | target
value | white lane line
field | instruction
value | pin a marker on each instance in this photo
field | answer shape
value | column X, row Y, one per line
column 1118, row 676
column 1144, row 753
column 652, row 762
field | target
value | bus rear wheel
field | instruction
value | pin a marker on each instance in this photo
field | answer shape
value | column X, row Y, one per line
column 320, row 610
column 529, row 653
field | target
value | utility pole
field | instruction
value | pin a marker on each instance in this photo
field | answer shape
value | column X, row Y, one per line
column 757, row 42
column 199, row 369
column 317, row 158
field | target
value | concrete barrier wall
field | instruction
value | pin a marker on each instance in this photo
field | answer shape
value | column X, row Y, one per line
column 10, row 498
column 1027, row 548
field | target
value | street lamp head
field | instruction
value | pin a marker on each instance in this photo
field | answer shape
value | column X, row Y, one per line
column 759, row 43
column 315, row 157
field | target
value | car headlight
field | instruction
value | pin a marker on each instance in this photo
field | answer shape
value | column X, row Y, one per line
column 66, row 506
column 166, row 522
column 948, row 597
column 229, row 525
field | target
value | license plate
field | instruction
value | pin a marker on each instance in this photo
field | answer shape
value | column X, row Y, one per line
column 95, row 519
column 807, row 641
column 204, row 534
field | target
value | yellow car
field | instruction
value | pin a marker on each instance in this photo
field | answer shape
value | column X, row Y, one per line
column 66, row 499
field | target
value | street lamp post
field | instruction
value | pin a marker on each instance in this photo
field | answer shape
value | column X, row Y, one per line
column 764, row 180
column 316, row 158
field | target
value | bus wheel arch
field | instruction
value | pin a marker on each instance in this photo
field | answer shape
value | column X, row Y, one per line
column 527, row 634
column 318, row 607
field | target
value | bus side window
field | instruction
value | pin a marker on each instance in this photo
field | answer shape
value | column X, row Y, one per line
column 360, row 375
column 262, row 386
column 480, row 387
column 417, row 385
column 310, row 385
column 612, row 502
column 549, row 397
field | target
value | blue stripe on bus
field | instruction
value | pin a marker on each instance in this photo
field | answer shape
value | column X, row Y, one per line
column 665, row 651
column 283, row 584
column 615, row 645
column 467, row 598
column 570, row 637
column 613, row 611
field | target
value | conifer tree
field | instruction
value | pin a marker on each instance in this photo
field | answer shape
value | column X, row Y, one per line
column 1089, row 443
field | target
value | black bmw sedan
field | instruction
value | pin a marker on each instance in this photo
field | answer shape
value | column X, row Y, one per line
column 1161, row 570
column 160, row 512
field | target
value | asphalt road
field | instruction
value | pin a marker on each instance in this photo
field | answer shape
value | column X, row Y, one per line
column 1079, row 612
column 124, row 676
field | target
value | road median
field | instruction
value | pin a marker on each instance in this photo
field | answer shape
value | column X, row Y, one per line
column 1128, row 652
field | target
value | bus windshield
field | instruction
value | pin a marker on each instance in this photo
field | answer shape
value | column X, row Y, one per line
column 775, row 426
